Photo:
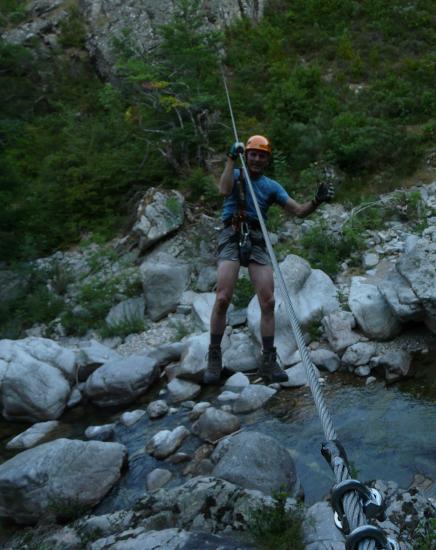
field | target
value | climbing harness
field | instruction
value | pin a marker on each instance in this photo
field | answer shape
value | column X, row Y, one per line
column 352, row 501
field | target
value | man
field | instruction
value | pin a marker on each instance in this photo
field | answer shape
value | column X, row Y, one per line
column 239, row 208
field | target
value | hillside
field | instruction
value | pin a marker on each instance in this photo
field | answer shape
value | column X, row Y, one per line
column 345, row 85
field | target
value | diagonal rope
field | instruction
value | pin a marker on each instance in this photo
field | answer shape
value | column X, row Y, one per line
column 352, row 504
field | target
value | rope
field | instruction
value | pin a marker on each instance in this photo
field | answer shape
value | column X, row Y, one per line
column 352, row 505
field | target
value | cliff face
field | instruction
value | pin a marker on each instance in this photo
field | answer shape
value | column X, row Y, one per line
column 109, row 20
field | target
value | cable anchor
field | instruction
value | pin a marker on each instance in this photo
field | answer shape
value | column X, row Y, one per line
column 365, row 532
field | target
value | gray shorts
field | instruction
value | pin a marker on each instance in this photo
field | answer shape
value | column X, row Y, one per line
column 228, row 248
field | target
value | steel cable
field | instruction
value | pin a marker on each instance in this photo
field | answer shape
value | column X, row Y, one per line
column 351, row 502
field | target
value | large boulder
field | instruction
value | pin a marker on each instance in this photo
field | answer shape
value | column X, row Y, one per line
column 160, row 213
column 401, row 299
column 58, row 479
column 418, row 267
column 35, row 378
column 121, row 381
column 245, row 459
column 313, row 295
column 164, row 280
column 372, row 311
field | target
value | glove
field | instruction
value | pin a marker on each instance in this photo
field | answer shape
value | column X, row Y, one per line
column 325, row 193
column 235, row 150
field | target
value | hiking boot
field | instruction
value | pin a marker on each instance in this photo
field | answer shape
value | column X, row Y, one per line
column 270, row 369
column 212, row 374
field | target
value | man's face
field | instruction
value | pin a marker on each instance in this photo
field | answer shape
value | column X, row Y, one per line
column 257, row 161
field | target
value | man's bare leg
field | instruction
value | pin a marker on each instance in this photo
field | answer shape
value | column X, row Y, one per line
column 263, row 282
column 227, row 277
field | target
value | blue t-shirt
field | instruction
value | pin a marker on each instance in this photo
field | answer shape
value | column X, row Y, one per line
column 267, row 192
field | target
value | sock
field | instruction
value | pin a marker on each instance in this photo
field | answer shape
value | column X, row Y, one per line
column 215, row 339
column 268, row 342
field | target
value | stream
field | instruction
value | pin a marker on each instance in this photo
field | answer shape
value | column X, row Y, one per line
column 388, row 432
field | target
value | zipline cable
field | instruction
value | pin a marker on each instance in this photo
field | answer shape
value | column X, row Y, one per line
column 352, row 504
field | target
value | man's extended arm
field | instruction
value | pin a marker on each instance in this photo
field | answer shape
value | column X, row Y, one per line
column 325, row 193
column 225, row 184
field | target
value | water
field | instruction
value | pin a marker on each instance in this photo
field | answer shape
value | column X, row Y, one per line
column 388, row 433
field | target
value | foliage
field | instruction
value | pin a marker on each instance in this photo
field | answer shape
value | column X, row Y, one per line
column 277, row 526
column 424, row 536
column 345, row 83
column 243, row 293
column 33, row 303
column 124, row 328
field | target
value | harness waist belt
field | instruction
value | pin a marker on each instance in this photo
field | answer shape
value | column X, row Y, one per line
column 252, row 224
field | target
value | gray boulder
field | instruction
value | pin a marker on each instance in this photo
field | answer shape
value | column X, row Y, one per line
column 359, row 354
column 193, row 358
column 243, row 353
column 252, row 397
column 338, row 327
column 245, row 459
column 313, row 296
column 35, row 379
column 320, row 531
column 121, row 381
column 32, row 436
column 164, row 280
column 371, row 310
column 418, row 267
column 402, row 300
column 91, row 356
column 297, row 376
column 58, row 479
column 214, row 424
column 166, row 442
column 396, row 364
column 325, row 359
column 182, row 390
column 160, row 213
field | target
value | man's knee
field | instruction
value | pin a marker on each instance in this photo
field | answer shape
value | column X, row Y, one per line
column 222, row 302
column 267, row 304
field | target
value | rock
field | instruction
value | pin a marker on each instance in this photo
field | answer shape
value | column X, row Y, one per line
column 370, row 260
column 100, row 433
column 157, row 479
column 237, row 380
column 401, row 298
column 214, row 424
column 75, row 398
column 206, row 279
column 131, row 417
column 242, row 354
column 418, row 267
column 180, row 390
column 165, row 442
column 325, row 359
column 160, row 213
column 193, row 359
column 371, row 310
column 35, row 376
column 127, row 311
column 359, row 354
column 227, row 396
column 157, row 409
column 338, row 330
column 92, row 355
column 297, row 376
column 106, row 524
column 120, row 382
column 164, row 279
column 396, row 364
column 237, row 317
column 362, row 371
column 313, row 296
column 58, row 479
column 246, row 458
column 198, row 410
column 32, row 436
column 202, row 305
column 251, row 398
column 320, row 531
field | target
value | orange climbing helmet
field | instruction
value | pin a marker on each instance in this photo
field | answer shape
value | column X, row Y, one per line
column 260, row 143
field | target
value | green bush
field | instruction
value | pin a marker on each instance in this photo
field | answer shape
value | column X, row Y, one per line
column 243, row 292
column 277, row 526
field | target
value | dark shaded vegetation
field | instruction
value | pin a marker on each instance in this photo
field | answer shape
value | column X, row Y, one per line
column 346, row 83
